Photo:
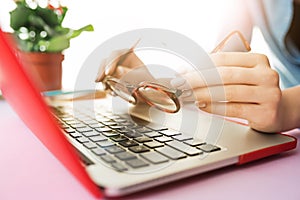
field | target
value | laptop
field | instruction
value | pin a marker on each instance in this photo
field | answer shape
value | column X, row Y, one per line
column 113, row 153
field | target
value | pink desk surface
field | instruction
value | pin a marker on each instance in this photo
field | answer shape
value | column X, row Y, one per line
column 29, row 171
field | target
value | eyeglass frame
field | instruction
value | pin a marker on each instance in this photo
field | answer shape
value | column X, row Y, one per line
column 171, row 92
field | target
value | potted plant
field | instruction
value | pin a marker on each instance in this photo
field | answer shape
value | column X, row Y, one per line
column 41, row 40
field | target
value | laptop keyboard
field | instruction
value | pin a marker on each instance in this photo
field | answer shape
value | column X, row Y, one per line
column 125, row 145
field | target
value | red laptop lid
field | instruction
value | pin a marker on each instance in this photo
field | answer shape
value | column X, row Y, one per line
column 29, row 105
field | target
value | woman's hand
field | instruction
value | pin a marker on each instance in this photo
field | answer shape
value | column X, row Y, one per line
column 124, row 64
column 250, row 87
column 118, row 64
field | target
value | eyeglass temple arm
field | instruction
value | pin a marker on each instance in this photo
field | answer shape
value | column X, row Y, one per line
column 221, row 45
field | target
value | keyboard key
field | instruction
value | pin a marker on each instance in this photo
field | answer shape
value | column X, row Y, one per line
column 137, row 163
column 96, row 125
column 191, row 151
column 154, row 144
column 208, row 148
column 89, row 145
column 171, row 152
column 79, row 125
column 119, row 166
column 75, row 135
column 154, row 157
column 138, row 149
column 90, row 122
column 110, row 133
column 120, row 120
column 69, row 130
column 114, row 149
column 125, row 156
column 170, row 132
column 72, row 122
column 84, row 129
column 128, row 143
column 194, row 143
column 109, row 123
column 118, row 138
column 104, row 129
column 90, row 133
column 66, row 118
column 105, row 143
column 99, row 151
column 82, row 139
column 163, row 139
column 153, row 134
column 97, row 138
column 143, row 139
column 182, row 137
column 108, row 158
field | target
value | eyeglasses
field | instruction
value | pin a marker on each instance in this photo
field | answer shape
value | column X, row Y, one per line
column 154, row 94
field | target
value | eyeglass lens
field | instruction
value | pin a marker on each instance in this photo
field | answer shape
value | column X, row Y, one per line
column 158, row 98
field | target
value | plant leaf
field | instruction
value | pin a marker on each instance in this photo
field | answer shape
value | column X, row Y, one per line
column 75, row 33
column 19, row 16
column 37, row 21
column 48, row 16
column 57, row 44
column 64, row 12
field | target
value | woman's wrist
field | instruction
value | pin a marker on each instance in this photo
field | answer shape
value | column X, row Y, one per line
column 289, row 110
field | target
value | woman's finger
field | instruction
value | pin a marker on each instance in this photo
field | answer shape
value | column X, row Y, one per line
column 226, row 75
column 260, row 117
column 233, row 93
column 238, row 110
column 218, row 76
column 242, row 59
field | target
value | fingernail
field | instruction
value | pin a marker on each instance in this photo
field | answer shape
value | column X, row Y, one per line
column 176, row 82
column 201, row 104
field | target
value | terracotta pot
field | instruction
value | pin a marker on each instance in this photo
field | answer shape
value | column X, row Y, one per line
column 45, row 69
